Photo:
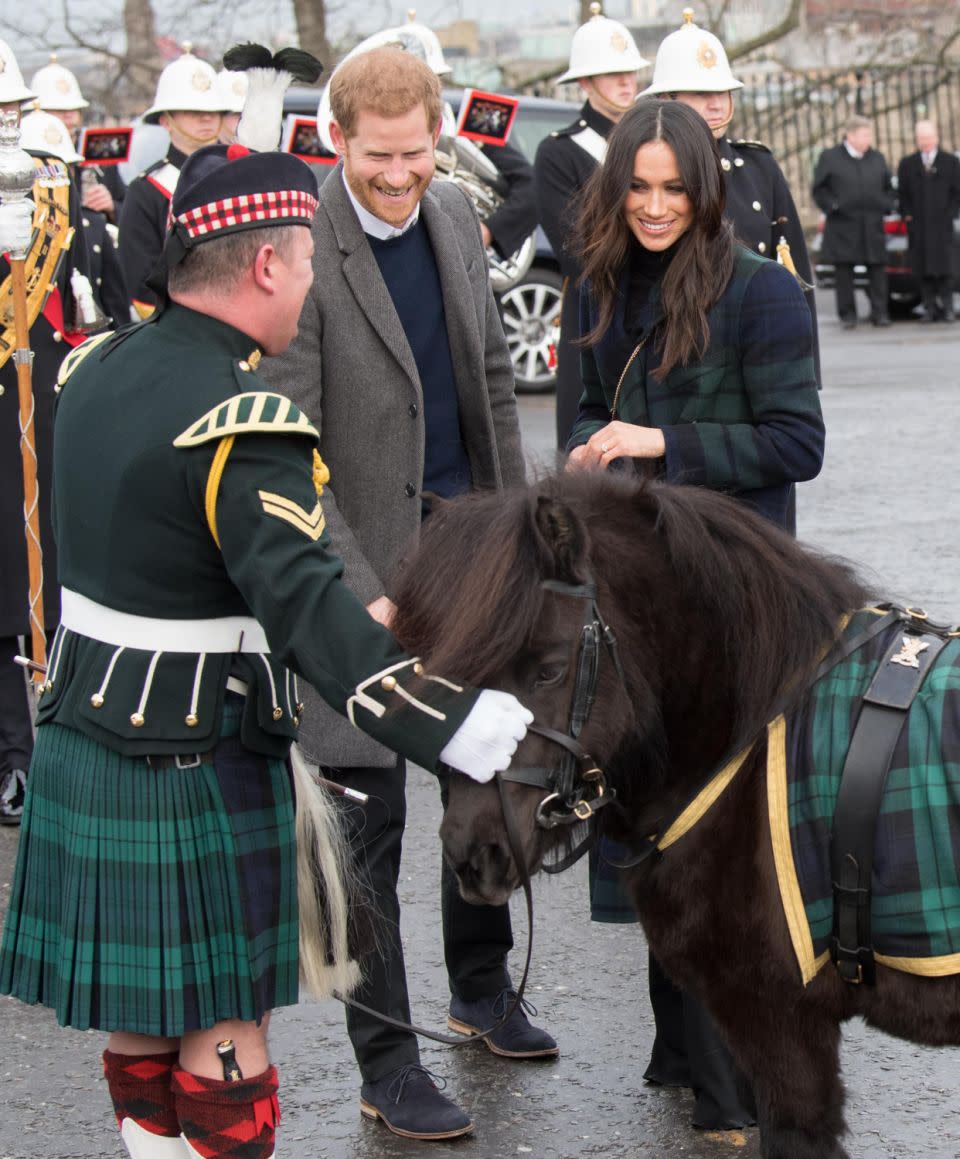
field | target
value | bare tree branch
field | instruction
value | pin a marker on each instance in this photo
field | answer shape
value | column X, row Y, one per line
column 790, row 21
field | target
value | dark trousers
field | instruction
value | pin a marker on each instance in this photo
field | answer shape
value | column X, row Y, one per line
column 476, row 939
column 938, row 296
column 16, row 730
column 689, row 1052
column 569, row 380
column 876, row 291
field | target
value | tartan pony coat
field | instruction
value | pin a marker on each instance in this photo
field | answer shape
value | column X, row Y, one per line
column 745, row 418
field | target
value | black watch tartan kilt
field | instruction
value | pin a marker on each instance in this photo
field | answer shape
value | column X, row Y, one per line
column 154, row 901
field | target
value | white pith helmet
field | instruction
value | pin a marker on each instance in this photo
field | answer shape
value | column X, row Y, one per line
column 57, row 88
column 691, row 60
column 412, row 37
column 233, row 90
column 602, row 46
column 42, row 132
column 188, row 84
column 12, row 88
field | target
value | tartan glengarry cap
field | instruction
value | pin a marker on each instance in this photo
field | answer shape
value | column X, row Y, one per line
column 227, row 188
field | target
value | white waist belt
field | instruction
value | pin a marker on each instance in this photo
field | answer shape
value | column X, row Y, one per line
column 124, row 630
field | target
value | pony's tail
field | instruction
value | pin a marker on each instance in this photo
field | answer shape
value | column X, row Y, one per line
column 326, row 881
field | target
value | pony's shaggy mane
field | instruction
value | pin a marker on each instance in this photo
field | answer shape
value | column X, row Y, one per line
column 471, row 598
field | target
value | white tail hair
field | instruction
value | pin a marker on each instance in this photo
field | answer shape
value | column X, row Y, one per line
column 326, row 880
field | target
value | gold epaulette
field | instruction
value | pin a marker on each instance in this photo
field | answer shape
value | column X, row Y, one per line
column 254, row 413
column 77, row 355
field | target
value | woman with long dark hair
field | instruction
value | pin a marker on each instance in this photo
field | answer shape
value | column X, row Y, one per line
column 697, row 356
column 697, row 365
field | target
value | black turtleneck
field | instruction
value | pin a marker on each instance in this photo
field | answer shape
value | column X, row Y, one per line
column 647, row 267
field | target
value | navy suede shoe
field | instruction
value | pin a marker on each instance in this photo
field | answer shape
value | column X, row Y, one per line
column 515, row 1039
column 409, row 1103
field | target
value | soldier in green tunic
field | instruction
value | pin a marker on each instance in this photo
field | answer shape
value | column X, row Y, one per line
column 155, row 894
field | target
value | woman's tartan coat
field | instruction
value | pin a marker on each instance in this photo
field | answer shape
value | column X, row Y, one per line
column 745, row 418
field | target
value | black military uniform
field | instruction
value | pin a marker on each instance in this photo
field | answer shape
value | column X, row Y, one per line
column 103, row 266
column 109, row 177
column 143, row 226
column 516, row 218
column 564, row 163
column 762, row 211
column 52, row 335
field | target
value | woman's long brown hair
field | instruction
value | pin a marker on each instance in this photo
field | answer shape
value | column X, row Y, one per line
column 704, row 260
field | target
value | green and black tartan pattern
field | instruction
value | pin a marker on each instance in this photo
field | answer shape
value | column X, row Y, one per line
column 916, row 881
column 744, row 417
column 154, row 901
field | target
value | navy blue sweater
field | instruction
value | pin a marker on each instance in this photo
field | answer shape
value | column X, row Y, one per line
column 409, row 268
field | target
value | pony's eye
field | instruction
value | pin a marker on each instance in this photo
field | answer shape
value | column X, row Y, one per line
column 550, row 673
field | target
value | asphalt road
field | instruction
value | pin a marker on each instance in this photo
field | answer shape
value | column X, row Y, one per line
column 889, row 497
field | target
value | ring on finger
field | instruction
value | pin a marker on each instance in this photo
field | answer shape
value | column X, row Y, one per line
column 604, row 447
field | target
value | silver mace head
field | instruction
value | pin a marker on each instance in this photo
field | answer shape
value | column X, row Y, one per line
column 17, row 174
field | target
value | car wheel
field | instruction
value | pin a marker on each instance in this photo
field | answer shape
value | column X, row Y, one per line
column 530, row 311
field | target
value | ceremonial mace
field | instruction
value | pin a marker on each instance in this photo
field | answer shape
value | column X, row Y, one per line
column 17, row 173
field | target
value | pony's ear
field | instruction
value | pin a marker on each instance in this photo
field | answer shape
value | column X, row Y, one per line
column 563, row 537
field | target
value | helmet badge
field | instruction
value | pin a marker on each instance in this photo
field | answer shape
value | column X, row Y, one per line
column 706, row 55
column 200, row 81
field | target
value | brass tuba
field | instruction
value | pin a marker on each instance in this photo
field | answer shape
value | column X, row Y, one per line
column 461, row 161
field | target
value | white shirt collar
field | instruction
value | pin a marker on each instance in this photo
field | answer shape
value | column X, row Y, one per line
column 375, row 226
column 855, row 153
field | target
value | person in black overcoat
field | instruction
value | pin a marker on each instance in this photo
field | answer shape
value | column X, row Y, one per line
column 928, row 187
column 604, row 61
column 853, row 188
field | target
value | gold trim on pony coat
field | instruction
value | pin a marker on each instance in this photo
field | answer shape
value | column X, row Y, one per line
column 778, row 809
column 789, row 885
column 704, row 800
column 933, row 967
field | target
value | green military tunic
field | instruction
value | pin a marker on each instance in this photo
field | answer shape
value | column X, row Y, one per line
column 155, row 889
column 185, row 490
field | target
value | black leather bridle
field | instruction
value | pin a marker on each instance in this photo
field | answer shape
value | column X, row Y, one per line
column 576, row 787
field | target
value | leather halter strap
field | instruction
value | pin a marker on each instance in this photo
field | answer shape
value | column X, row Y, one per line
column 561, row 781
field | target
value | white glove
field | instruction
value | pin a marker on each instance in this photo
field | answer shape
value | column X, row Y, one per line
column 488, row 738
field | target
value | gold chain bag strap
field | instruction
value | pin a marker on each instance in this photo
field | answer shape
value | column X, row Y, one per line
column 52, row 235
column 616, row 394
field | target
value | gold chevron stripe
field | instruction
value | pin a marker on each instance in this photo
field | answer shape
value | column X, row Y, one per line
column 311, row 523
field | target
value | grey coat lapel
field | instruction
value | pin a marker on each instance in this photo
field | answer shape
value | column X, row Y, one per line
column 464, row 331
column 362, row 274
